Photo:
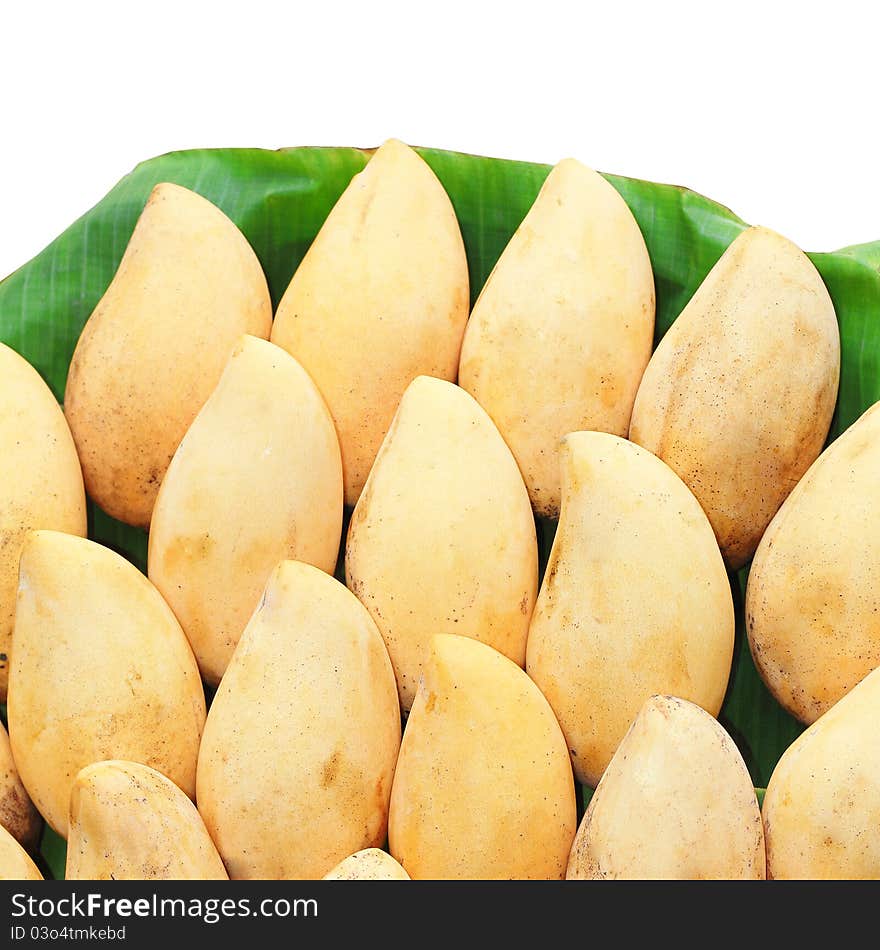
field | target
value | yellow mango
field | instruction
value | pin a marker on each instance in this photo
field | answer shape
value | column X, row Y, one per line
column 100, row 670
column 188, row 286
column 41, row 483
column 17, row 813
column 739, row 394
column 483, row 787
column 635, row 599
column 442, row 540
column 128, row 822
column 813, row 596
column 563, row 326
column 298, row 754
column 371, row 864
column 15, row 862
column 822, row 805
column 380, row 298
column 675, row 803
column 256, row 479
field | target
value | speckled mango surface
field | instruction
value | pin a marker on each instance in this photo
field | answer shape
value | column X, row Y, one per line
column 257, row 479
column 813, row 597
column 675, row 803
column 101, row 670
column 564, row 325
column 442, row 540
column 739, row 394
column 483, row 787
column 17, row 813
column 635, row 600
column 381, row 297
column 129, row 822
column 41, row 484
column 371, row 864
column 188, row 286
column 822, row 806
column 299, row 750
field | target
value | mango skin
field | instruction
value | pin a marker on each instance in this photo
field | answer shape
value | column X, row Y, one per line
column 371, row 864
column 101, row 670
column 739, row 394
column 256, row 479
column 813, row 595
column 564, row 325
column 381, row 296
column 675, row 803
column 40, row 479
column 635, row 599
column 483, row 787
column 442, row 540
column 187, row 287
column 298, row 755
column 15, row 862
column 129, row 822
column 822, row 804
column 17, row 812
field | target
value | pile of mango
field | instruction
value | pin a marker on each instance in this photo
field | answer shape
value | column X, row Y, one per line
column 432, row 716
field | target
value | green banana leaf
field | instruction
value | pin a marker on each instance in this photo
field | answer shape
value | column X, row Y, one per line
column 279, row 200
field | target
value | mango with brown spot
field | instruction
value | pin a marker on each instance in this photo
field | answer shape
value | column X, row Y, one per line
column 483, row 787
column 822, row 805
column 380, row 298
column 15, row 863
column 813, row 595
column 101, row 670
column 635, row 600
column 738, row 396
column 675, row 803
column 442, row 540
column 256, row 479
column 562, row 330
column 187, row 287
column 129, row 822
column 299, row 750
column 41, row 483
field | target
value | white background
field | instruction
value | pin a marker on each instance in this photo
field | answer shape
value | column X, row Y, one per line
column 771, row 108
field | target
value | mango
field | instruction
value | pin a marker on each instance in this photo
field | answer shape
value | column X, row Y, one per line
column 129, row 822
column 442, row 540
column 813, row 595
column 187, row 287
column 380, row 298
column 100, row 670
column 256, row 479
column 15, row 862
column 41, row 482
column 675, row 803
column 739, row 394
column 17, row 813
column 301, row 741
column 822, row 802
column 483, row 787
column 371, row 864
column 563, row 326
column 635, row 599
